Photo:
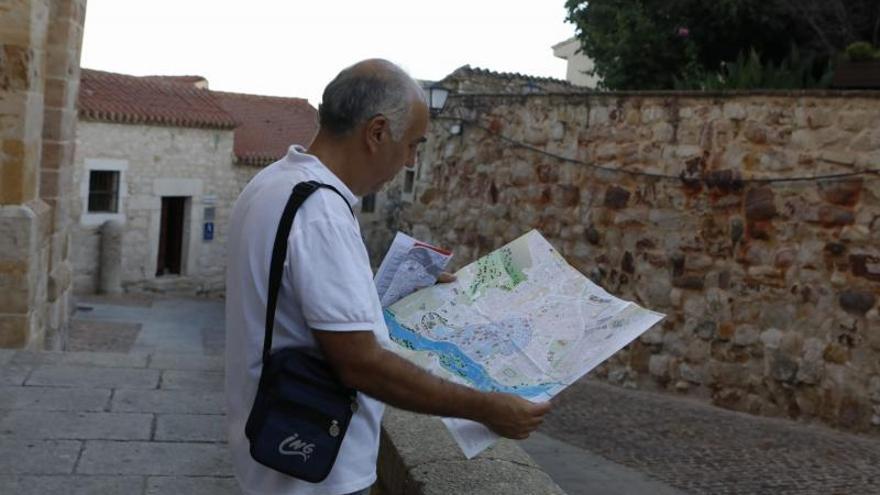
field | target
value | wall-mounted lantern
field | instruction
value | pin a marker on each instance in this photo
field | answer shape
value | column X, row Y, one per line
column 437, row 96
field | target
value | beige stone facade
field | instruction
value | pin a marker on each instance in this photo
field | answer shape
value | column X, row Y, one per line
column 40, row 45
column 579, row 67
column 153, row 162
column 770, row 289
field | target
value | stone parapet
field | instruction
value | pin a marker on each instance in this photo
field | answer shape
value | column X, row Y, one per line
column 418, row 457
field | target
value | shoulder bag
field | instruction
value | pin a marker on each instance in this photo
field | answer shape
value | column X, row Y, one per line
column 302, row 410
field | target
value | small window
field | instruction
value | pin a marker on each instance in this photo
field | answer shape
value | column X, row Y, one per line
column 409, row 179
column 368, row 203
column 104, row 191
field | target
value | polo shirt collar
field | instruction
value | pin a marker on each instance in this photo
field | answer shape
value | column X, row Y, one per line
column 297, row 154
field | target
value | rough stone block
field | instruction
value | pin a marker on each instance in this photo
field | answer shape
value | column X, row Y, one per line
column 522, row 174
column 15, row 331
column 566, row 196
column 734, row 111
column 760, row 204
column 15, row 298
column 83, row 377
column 71, row 485
column 168, row 401
column 874, row 388
column 191, row 428
column 865, row 265
column 811, row 369
column 53, row 399
column 844, row 193
column 75, row 425
column 18, row 75
column 728, row 374
column 155, row 459
column 756, row 133
column 616, row 197
column 691, row 373
column 19, row 456
column 857, row 302
column 781, row 366
column 746, row 335
column 831, row 216
column 772, row 338
column 868, row 140
column 658, row 366
column 19, row 172
column 653, row 114
column 856, row 233
column 691, row 282
column 835, row 353
column 201, row 381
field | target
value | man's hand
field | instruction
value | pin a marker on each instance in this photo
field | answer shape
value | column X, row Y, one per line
column 445, row 278
column 512, row 416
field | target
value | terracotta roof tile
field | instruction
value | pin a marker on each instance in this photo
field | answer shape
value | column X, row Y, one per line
column 473, row 80
column 197, row 81
column 467, row 70
column 110, row 97
column 268, row 125
column 265, row 126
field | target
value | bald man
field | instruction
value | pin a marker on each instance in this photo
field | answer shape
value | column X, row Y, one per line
column 372, row 119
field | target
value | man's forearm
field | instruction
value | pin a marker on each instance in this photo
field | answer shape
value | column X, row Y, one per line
column 363, row 364
column 400, row 383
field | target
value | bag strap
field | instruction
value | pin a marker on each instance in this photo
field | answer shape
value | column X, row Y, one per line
column 300, row 193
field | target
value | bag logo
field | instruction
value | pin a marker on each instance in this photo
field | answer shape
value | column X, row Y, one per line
column 292, row 445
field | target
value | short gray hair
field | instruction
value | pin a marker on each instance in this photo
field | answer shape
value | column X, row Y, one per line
column 357, row 95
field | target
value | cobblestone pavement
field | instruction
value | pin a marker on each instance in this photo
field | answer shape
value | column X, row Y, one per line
column 145, row 420
column 112, row 424
column 703, row 449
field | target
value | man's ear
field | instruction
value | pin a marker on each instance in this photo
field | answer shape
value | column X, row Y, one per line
column 376, row 132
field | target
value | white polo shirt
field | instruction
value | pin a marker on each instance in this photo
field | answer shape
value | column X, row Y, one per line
column 327, row 285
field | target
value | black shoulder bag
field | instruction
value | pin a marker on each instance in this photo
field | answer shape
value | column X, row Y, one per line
column 302, row 410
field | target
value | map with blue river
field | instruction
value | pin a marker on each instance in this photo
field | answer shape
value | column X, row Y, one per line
column 518, row 320
column 455, row 361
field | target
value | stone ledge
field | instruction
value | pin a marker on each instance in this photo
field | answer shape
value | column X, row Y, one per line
column 418, row 457
column 784, row 93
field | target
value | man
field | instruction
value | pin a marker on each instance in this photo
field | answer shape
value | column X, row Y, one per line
column 372, row 119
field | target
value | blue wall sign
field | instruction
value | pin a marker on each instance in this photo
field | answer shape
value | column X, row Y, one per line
column 208, row 231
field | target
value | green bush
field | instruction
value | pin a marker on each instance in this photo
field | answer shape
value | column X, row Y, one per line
column 654, row 44
column 752, row 72
column 861, row 51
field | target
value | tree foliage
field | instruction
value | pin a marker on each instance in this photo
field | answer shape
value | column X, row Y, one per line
column 658, row 44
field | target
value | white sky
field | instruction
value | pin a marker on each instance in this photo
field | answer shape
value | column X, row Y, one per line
column 295, row 47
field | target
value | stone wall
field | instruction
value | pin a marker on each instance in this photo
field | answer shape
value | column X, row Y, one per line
column 40, row 45
column 472, row 80
column 770, row 288
column 157, row 161
column 417, row 456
